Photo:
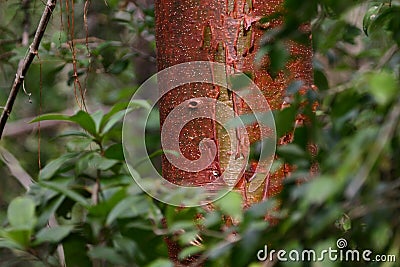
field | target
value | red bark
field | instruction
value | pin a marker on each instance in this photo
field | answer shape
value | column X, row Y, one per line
column 228, row 32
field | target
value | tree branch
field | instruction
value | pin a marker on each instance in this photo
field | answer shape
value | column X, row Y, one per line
column 23, row 68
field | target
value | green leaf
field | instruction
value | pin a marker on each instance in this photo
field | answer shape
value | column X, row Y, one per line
column 85, row 121
column 381, row 235
column 101, row 163
column 114, row 119
column 106, row 253
column 161, row 263
column 97, row 118
column 116, row 181
column 53, row 235
column 82, row 118
column 376, row 17
column 188, row 236
column 320, row 80
column 75, row 249
column 293, row 154
column 63, row 189
column 279, row 55
column 383, row 86
column 118, row 66
column 51, row 117
column 231, row 205
column 320, row 190
column 49, row 209
column 114, row 151
column 53, row 166
column 20, row 237
column 58, row 38
column 116, row 108
column 129, row 207
column 74, row 134
column 285, row 119
column 10, row 244
column 21, row 213
column 344, row 223
column 190, row 251
column 140, row 103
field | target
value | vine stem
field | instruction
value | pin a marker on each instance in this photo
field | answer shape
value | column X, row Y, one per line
column 25, row 64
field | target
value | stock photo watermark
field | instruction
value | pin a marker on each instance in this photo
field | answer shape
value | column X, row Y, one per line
column 146, row 98
column 339, row 253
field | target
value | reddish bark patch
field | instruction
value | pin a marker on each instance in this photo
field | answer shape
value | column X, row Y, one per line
column 228, row 32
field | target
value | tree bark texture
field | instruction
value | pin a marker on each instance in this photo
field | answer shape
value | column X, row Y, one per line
column 229, row 32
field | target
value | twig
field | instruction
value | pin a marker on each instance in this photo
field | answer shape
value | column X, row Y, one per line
column 387, row 56
column 15, row 168
column 23, row 68
column 384, row 135
column 26, row 181
column 26, row 23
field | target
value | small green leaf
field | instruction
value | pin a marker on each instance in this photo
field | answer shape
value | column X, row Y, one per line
column 53, row 166
column 74, row 133
column 114, row 119
column 118, row 66
column 279, row 55
column 101, row 163
column 383, row 86
column 239, row 81
column 114, row 151
column 344, row 223
column 231, row 205
column 116, row 108
column 51, row 117
column 293, row 154
column 188, row 236
column 49, row 209
column 21, row 213
column 140, row 103
column 129, row 207
column 10, row 244
column 285, row 119
column 85, row 121
column 82, row 118
column 21, row 238
column 381, row 235
column 190, row 251
column 106, row 253
column 161, row 263
column 369, row 16
column 320, row 190
column 75, row 249
column 97, row 117
column 63, row 189
column 379, row 16
column 53, row 235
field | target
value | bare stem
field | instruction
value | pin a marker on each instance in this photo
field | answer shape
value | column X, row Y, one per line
column 23, row 68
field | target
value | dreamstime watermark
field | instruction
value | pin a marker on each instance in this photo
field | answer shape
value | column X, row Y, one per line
column 340, row 253
column 142, row 105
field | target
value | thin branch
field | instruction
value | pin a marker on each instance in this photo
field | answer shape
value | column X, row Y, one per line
column 26, row 23
column 387, row 56
column 15, row 168
column 22, row 126
column 23, row 68
column 26, row 181
column 387, row 131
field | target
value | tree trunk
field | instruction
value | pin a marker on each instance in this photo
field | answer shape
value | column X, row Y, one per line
column 228, row 32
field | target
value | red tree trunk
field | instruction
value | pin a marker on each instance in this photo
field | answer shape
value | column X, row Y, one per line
column 228, row 32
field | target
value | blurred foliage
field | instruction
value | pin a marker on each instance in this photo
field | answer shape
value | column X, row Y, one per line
column 104, row 218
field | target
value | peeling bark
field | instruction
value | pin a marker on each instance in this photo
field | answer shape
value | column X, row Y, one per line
column 227, row 32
